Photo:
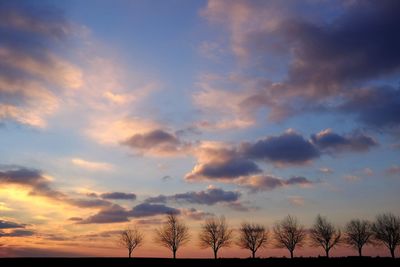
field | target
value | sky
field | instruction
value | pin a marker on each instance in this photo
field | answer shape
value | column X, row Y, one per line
column 113, row 113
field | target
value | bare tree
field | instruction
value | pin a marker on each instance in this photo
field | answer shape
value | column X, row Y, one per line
column 289, row 234
column 252, row 237
column 325, row 234
column 173, row 234
column 216, row 234
column 131, row 239
column 358, row 234
column 386, row 230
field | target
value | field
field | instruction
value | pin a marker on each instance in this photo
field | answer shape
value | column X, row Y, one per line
column 273, row 262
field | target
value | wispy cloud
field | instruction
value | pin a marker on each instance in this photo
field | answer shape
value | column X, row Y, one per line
column 92, row 165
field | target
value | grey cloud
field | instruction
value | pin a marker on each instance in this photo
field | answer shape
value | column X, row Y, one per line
column 147, row 209
column 377, row 107
column 195, row 214
column 157, row 141
column 269, row 182
column 17, row 233
column 288, row 148
column 361, row 44
column 330, row 141
column 158, row 199
column 226, row 169
column 9, row 225
column 325, row 57
column 231, row 168
column 112, row 214
column 300, row 180
column 117, row 213
column 118, row 196
column 210, row 196
column 88, row 203
column 239, row 206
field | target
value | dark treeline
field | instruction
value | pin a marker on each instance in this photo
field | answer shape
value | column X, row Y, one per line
column 231, row 262
column 288, row 233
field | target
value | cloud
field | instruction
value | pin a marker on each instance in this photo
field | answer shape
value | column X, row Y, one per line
column 288, row 148
column 211, row 196
column 32, row 178
column 376, row 107
column 239, row 206
column 9, row 225
column 144, row 137
column 195, row 214
column 298, row 180
column 87, row 203
column 112, row 214
column 231, row 112
column 92, row 165
column 117, row 213
column 230, row 169
column 327, row 140
column 218, row 161
column 231, row 163
column 40, row 185
column 269, row 182
column 118, row 196
column 156, row 142
column 17, row 233
column 75, row 219
column 393, row 170
column 147, row 209
column 299, row 62
column 32, row 75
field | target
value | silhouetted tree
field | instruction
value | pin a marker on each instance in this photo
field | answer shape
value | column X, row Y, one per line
column 325, row 234
column 289, row 233
column 131, row 239
column 386, row 230
column 358, row 234
column 252, row 237
column 172, row 234
column 216, row 234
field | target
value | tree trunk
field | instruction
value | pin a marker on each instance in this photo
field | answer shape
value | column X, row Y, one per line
column 174, row 254
column 392, row 252
column 129, row 253
column 327, row 253
column 291, row 254
column 253, row 254
column 215, row 254
column 360, row 251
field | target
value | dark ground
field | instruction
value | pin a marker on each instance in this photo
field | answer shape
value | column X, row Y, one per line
column 273, row 262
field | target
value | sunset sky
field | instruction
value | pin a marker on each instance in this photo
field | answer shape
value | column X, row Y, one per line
column 113, row 113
